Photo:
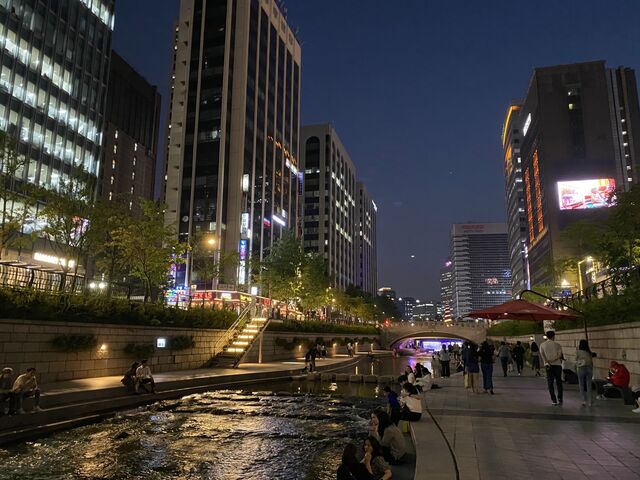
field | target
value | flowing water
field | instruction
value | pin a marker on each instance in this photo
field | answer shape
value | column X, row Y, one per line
column 276, row 430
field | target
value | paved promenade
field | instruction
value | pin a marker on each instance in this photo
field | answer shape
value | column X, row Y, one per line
column 518, row 434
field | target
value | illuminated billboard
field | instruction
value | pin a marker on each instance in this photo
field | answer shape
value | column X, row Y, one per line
column 581, row 194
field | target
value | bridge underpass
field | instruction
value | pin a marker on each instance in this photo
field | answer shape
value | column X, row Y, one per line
column 394, row 334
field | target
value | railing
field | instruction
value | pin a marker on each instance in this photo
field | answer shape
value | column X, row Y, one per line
column 613, row 285
column 231, row 331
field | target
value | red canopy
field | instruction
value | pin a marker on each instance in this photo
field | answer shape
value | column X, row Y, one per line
column 522, row 310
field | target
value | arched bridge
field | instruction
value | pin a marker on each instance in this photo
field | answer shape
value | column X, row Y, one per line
column 472, row 331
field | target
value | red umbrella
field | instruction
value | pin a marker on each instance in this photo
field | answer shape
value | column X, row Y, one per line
column 522, row 310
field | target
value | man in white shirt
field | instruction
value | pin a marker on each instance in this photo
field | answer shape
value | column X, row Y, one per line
column 143, row 377
column 551, row 354
column 25, row 385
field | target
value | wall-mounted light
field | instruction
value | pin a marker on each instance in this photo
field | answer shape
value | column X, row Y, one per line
column 161, row 342
column 103, row 347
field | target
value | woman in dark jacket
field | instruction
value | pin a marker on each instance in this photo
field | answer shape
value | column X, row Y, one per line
column 351, row 468
column 129, row 379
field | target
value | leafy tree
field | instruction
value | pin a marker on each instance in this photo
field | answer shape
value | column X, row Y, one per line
column 280, row 272
column 622, row 244
column 386, row 308
column 148, row 246
column 108, row 217
column 209, row 264
column 66, row 213
column 18, row 198
column 314, row 284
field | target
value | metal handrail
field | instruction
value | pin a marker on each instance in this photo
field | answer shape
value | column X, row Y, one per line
column 222, row 341
column 246, row 351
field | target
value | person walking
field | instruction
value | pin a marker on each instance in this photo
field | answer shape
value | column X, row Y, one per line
column 504, row 353
column 487, row 357
column 535, row 358
column 472, row 368
column 445, row 360
column 584, row 366
column 518, row 356
column 551, row 354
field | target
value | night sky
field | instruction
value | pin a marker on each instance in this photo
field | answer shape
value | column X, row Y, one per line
column 418, row 94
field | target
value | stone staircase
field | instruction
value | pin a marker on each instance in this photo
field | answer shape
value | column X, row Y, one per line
column 240, row 340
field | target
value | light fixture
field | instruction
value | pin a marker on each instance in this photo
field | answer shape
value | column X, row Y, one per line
column 103, row 347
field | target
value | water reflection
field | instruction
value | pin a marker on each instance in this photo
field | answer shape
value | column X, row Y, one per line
column 288, row 435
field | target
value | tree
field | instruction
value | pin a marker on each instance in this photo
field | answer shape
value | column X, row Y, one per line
column 66, row 215
column 108, row 217
column 622, row 244
column 18, row 198
column 386, row 308
column 209, row 265
column 280, row 272
column 314, row 284
column 148, row 246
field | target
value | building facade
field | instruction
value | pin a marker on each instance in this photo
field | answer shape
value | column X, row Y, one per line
column 446, row 290
column 330, row 212
column 579, row 141
column 514, row 193
column 367, row 253
column 53, row 85
column 425, row 311
column 481, row 275
column 131, row 134
column 232, row 154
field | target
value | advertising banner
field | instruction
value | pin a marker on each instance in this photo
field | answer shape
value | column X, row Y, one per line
column 583, row 194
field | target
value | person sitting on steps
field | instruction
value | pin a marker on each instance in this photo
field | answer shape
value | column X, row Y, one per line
column 144, row 377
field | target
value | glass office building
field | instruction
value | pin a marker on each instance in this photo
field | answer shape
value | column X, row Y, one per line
column 54, row 57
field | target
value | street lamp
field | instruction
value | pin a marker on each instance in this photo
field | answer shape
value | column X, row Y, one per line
column 587, row 259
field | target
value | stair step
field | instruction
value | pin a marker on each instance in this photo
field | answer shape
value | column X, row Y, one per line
column 240, row 343
column 235, row 349
column 248, row 337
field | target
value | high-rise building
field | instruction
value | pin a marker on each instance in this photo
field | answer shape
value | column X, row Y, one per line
column 446, row 290
column 405, row 307
column 131, row 133
column 579, row 141
column 367, row 256
column 232, row 154
column 481, row 275
column 425, row 311
column 514, row 190
column 387, row 292
column 55, row 64
column 330, row 213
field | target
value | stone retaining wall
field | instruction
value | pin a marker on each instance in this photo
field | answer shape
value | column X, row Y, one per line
column 26, row 343
column 620, row 342
column 273, row 352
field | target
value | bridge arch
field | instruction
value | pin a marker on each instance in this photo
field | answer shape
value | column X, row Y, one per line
column 425, row 334
column 395, row 333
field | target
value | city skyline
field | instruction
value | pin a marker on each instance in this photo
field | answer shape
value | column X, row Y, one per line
column 455, row 86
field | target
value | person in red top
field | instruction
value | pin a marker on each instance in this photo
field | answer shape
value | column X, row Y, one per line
column 619, row 376
column 618, row 379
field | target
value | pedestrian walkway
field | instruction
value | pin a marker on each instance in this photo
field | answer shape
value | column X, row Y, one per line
column 518, row 434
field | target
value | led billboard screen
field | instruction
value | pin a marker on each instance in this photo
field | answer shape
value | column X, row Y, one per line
column 581, row 194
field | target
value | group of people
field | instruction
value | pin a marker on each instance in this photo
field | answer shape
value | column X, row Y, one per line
column 138, row 377
column 385, row 444
column 15, row 391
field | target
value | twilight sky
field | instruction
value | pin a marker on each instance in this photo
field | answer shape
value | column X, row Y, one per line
column 417, row 94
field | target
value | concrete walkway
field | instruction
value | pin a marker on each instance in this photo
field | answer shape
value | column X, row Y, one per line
column 76, row 402
column 518, row 434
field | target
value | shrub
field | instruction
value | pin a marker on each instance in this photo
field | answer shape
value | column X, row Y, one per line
column 33, row 305
column 181, row 342
column 74, row 343
column 514, row 328
column 321, row 327
column 140, row 351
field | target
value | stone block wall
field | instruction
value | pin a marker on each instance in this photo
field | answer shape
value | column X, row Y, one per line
column 620, row 342
column 272, row 352
column 25, row 343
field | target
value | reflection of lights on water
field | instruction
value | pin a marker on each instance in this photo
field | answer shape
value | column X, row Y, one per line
column 356, row 370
